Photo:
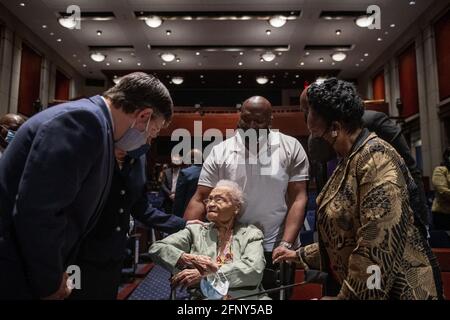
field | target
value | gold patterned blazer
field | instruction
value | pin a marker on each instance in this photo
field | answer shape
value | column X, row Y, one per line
column 368, row 242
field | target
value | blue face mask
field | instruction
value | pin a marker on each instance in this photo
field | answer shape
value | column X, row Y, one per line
column 214, row 286
column 133, row 138
column 139, row 152
column 10, row 136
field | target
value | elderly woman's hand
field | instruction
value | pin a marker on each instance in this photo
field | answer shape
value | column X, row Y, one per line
column 203, row 264
column 186, row 278
column 284, row 254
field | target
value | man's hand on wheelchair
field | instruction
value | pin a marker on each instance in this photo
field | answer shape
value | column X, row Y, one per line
column 281, row 254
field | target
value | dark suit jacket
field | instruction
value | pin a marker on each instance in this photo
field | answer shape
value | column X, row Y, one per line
column 54, row 179
column 128, row 196
column 186, row 187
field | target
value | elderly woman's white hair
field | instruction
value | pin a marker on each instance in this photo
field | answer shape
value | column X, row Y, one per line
column 236, row 192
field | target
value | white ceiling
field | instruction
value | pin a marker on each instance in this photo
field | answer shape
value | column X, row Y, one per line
column 127, row 30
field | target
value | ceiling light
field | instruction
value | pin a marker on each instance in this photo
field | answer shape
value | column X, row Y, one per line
column 168, row 32
column 52, row 34
column 108, row 64
column 139, row 64
column 392, row 25
column 99, row 32
column 163, row 63
column 268, row 56
column 362, row 60
column 119, row 60
column 153, row 21
column 240, row 63
column 84, row 66
column 44, row 26
column 177, row 80
column 261, row 60
column 168, row 57
column 307, row 53
column 411, row 3
column 321, row 60
column 333, row 63
column 338, row 56
column 262, row 80
column 380, row 39
column 268, row 32
column 201, row 76
column 366, row 54
column 271, row 81
column 320, row 80
column 277, row 21
column 178, row 60
column 68, row 22
column 239, row 76
column 239, row 82
column 59, row 39
column 357, row 64
column 241, row 53
column 297, row 76
column 386, row 32
column 276, row 63
column 197, row 53
column 98, row 56
column 338, row 32
column 22, row 4
column 302, row 63
column 364, row 21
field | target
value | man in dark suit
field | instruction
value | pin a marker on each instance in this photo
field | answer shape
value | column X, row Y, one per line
column 55, row 177
column 187, row 182
column 169, row 183
column 103, row 251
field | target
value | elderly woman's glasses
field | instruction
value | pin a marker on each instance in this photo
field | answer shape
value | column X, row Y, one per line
column 217, row 199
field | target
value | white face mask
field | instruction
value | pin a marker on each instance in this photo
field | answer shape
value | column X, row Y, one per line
column 215, row 286
column 133, row 138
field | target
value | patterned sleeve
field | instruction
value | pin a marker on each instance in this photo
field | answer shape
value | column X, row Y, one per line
column 384, row 216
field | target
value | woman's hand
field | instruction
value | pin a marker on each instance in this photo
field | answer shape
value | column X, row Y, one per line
column 284, row 254
column 186, row 278
column 203, row 264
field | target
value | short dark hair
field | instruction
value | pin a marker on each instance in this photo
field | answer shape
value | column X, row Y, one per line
column 140, row 90
column 337, row 100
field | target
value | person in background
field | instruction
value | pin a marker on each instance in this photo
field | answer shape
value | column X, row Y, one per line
column 364, row 216
column 9, row 124
column 187, row 182
column 441, row 202
column 169, row 183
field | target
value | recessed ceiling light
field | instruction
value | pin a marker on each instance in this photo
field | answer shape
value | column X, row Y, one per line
column 168, row 32
column 261, row 60
column 366, row 54
column 276, row 63
column 239, row 76
column 84, row 66
column 392, row 25
column 59, row 39
column 333, row 63
column 241, row 53
column 338, row 56
column 277, row 21
column 239, row 82
column 44, row 26
column 52, row 34
column 22, row 4
column 268, row 56
column 262, row 80
column 99, row 32
column 357, row 64
column 153, row 21
column 178, row 60
column 139, row 64
column 98, row 56
column 108, row 64
column 68, row 22
column 177, row 80
column 163, row 63
column 293, row 82
column 386, row 32
column 297, row 76
column 240, row 63
column 321, row 60
column 268, row 32
column 362, row 60
column 271, row 81
column 338, row 32
column 307, row 53
column 201, row 76
column 364, row 21
column 119, row 60
column 168, row 57
column 380, row 39
column 197, row 53
column 74, row 55
column 411, row 3
column 302, row 63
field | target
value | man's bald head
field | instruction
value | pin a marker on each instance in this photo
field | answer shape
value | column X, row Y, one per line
column 256, row 113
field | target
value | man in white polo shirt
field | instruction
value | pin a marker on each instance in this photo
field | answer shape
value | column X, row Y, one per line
column 272, row 171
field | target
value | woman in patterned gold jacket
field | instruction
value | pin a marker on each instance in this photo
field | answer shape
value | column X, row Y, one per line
column 370, row 242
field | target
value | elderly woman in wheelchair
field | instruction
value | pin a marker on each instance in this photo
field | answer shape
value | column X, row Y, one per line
column 222, row 258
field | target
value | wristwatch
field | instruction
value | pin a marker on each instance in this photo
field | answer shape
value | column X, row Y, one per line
column 286, row 244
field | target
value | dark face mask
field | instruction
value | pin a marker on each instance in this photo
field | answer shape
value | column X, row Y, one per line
column 320, row 150
column 139, row 152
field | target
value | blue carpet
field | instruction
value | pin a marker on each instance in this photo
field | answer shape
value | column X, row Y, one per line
column 156, row 286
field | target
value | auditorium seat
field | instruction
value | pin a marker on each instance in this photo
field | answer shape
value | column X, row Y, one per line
column 443, row 256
